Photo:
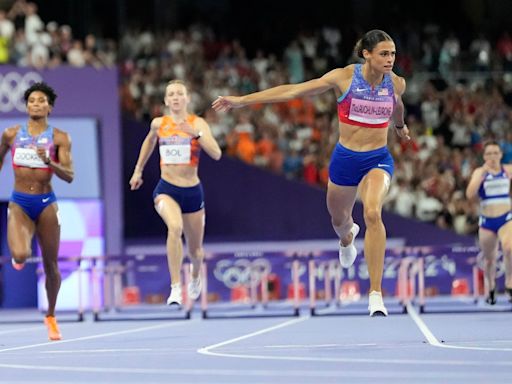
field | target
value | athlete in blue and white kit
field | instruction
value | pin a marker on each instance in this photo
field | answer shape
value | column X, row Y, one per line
column 38, row 152
column 369, row 96
column 491, row 183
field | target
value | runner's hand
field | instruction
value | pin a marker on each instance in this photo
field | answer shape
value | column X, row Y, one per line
column 225, row 103
column 403, row 132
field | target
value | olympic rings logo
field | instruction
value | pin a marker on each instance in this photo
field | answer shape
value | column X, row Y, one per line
column 12, row 88
column 241, row 271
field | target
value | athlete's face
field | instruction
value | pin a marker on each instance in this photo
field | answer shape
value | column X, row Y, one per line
column 38, row 105
column 176, row 97
column 382, row 56
column 492, row 155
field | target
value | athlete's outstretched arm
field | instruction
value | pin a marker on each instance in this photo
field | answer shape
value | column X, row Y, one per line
column 282, row 92
column 148, row 145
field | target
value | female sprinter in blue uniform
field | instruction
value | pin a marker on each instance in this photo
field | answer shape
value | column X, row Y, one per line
column 178, row 197
column 491, row 183
column 38, row 151
column 369, row 96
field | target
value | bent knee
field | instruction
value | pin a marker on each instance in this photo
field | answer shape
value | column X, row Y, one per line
column 19, row 256
column 174, row 230
column 507, row 248
column 196, row 253
column 51, row 268
column 342, row 220
column 372, row 216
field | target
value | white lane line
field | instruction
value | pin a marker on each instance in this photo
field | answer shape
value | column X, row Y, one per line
column 298, row 346
column 487, row 341
column 95, row 351
column 99, row 336
column 432, row 340
column 442, row 376
column 19, row 330
column 414, row 315
column 445, row 362
column 207, row 350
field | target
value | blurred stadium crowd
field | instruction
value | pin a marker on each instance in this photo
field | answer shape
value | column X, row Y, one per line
column 459, row 95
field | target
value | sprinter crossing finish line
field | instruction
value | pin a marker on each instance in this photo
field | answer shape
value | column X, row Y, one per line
column 369, row 96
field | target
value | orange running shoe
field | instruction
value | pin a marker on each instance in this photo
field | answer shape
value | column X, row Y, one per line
column 17, row 266
column 53, row 328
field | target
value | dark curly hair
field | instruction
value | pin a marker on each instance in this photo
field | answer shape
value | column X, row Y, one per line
column 41, row 87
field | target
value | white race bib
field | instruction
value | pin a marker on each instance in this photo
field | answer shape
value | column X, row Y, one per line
column 175, row 153
column 497, row 187
column 27, row 157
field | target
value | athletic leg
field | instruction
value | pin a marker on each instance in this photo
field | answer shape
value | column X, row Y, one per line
column 170, row 212
column 20, row 231
column 193, row 227
column 505, row 236
column 373, row 189
column 48, row 237
column 488, row 241
column 340, row 202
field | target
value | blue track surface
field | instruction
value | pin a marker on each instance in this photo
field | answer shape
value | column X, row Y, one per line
column 410, row 348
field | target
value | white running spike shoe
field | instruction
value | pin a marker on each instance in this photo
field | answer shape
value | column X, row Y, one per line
column 194, row 288
column 176, row 296
column 348, row 254
column 376, row 305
